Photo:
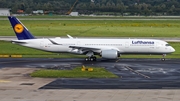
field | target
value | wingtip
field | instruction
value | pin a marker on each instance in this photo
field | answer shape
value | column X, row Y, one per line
column 69, row 36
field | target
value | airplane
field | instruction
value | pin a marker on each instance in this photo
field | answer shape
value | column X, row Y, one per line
column 105, row 48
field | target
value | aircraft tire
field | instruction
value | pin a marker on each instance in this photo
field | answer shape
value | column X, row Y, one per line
column 94, row 58
column 90, row 59
column 86, row 59
column 163, row 59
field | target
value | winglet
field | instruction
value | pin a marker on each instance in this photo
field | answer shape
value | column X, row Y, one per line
column 70, row 36
column 21, row 31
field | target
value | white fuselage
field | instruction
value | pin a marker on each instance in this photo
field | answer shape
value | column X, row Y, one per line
column 123, row 46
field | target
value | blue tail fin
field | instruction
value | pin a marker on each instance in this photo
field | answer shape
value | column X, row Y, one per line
column 21, row 31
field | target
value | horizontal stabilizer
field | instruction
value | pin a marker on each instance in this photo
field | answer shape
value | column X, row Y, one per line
column 18, row 42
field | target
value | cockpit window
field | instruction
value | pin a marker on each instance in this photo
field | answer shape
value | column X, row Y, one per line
column 168, row 45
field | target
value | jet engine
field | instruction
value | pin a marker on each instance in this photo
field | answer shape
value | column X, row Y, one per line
column 110, row 54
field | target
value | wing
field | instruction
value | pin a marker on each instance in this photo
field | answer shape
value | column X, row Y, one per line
column 85, row 48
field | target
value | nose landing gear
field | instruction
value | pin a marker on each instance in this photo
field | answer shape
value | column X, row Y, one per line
column 163, row 59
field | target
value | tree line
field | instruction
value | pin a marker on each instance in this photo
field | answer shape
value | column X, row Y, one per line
column 110, row 7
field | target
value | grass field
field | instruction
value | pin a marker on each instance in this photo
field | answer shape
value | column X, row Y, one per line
column 75, row 73
column 98, row 28
column 90, row 28
column 96, row 17
column 7, row 48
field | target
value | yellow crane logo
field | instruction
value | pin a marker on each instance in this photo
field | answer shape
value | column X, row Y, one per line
column 18, row 28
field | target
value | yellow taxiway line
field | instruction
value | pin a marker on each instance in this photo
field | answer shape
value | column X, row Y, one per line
column 4, row 81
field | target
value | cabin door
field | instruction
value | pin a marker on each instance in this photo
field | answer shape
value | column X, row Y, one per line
column 42, row 44
column 127, row 45
column 157, row 45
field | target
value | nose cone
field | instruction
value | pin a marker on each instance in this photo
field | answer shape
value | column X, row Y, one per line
column 172, row 49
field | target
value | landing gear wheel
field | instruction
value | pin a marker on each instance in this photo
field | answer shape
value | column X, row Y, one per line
column 94, row 58
column 90, row 58
column 163, row 59
column 86, row 59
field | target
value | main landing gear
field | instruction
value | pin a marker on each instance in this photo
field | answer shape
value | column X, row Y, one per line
column 92, row 58
column 163, row 59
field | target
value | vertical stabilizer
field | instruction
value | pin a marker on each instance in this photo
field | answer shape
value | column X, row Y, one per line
column 21, row 31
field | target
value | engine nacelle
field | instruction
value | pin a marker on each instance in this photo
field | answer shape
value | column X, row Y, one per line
column 109, row 54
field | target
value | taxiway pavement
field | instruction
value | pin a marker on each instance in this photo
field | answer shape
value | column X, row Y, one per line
column 139, row 79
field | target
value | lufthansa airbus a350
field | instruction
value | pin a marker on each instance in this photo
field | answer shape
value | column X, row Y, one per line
column 106, row 48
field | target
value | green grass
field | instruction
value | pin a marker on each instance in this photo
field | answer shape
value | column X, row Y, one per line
column 98, row 28
column 90, row 28
column 7, row 48
column 95, row 17
column 75, row 73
